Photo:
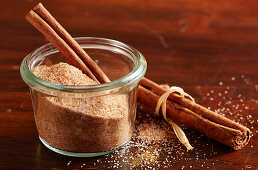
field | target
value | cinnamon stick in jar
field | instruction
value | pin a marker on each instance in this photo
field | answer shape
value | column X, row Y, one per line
column 179, row 108
column 41, row 19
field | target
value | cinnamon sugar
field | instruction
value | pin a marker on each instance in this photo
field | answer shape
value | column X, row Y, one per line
column 63, row 73
column 90, row 124
column 154, row 133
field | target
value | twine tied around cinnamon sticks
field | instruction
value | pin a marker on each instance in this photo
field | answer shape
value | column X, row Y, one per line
column 162, row 104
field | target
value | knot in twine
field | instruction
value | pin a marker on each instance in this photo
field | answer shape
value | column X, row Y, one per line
column 162, row 104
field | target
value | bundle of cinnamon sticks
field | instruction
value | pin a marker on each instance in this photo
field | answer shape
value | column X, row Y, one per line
column 183, row 110
column 179, row 108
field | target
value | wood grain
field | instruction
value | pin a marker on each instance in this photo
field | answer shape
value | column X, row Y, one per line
column 206, row 47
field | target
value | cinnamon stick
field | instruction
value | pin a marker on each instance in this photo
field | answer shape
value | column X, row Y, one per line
column 235, row 138
column 179, row 108
column 41, row 19
column 198, row 109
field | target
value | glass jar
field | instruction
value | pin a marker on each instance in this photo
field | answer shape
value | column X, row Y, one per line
column 67, row 117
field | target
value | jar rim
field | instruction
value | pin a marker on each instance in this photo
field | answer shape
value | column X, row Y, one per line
column 134, row 76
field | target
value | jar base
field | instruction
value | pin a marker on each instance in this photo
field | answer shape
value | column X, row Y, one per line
column 81, row 154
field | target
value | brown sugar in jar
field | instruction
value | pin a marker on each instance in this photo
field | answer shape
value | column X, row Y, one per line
column 75, row 115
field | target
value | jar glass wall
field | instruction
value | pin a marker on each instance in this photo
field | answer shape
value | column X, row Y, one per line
column 91, row 120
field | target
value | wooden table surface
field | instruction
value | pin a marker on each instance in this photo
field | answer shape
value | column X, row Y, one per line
column 209, row 48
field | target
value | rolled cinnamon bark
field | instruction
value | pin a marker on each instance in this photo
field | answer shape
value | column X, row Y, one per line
column 234, row 136
column 184, row 101
column 51, row 21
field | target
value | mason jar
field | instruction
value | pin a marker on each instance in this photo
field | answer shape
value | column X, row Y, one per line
column 88, row 120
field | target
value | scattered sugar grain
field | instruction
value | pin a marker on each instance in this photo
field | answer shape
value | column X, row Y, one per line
column 68, row 163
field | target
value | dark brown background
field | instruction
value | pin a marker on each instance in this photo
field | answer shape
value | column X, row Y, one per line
column 206, row 47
